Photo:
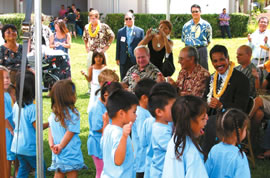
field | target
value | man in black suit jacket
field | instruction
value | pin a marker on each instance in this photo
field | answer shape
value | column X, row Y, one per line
column 227, row 88
column 128, row 38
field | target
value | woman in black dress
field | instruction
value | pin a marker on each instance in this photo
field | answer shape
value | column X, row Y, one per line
column 159, row 43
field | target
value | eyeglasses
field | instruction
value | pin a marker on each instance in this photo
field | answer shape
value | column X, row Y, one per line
column 195, row 12
column 128, row 18
column 10, row 32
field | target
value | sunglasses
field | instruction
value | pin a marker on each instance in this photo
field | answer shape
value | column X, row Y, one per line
column 128, row 18
column 195, row 12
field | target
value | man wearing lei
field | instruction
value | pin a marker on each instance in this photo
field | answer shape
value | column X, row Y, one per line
column 227, row 88
column 97, row 36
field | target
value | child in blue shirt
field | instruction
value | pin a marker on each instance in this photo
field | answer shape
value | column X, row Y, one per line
column 64, row 141
column 96, row 124
column 116, row 145
column 146, row 143
column 24, row 140
column 227, row 159
column 142, row 91
column 184, row 156
column 161, row 99
column 8, row 119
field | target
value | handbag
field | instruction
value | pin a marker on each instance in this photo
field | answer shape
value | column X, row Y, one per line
column 168, row 67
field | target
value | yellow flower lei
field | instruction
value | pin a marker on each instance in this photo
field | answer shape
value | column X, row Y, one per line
column 90, row 30
column 225, row 84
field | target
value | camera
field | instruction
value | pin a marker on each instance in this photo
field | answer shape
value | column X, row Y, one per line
column 155, row 30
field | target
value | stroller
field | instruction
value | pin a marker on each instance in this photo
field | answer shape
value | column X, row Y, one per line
column 55, row 67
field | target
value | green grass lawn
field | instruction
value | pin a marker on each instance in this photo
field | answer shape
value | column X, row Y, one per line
column 78, row 62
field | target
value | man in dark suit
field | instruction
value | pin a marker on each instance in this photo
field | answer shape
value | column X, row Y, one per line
column 128, row 38
column 227, row 88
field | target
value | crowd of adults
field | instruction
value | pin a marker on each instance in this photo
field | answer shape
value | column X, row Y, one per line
column 143, row 56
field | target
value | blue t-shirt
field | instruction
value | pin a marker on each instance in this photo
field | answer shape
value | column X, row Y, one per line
column 140, row 152
column 146, row 144
column 109, row 143
column 190, row 165
column 8, row 116
column 225, row 160
column 27, row 133
column 161, row 135
column 70, row 157
column 95, row 124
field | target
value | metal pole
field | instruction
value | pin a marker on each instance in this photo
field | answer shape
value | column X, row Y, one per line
column 38, row 80
column 146, row 6
column 21, row 6
column 168, row 9
column 113, row 9
column 117, row 6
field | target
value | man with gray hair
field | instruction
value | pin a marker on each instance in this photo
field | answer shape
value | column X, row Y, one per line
column 142, row 69
column 259, row 41
column 192, row 77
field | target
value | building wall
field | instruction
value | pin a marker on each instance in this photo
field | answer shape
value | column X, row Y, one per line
column 46, row 7
column 183, row 6
column 113, row 6
column 51, row 7
column 125, row 5
column 6, row 6
column 56, row 5
column 103, row 6
column 160, row 6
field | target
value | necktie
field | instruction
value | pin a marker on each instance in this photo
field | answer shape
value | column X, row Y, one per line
column 129, row 35
column 219, row 83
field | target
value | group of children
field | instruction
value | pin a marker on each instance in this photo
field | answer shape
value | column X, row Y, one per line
column 149, row 133
column 20, row 131
column 161, row 140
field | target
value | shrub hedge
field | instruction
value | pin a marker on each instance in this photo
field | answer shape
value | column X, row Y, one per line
column 15, row 19
column 84, row 18
column 238, row 22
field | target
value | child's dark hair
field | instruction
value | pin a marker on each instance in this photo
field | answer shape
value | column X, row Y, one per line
column 28, row 89
column 63, row 97
column 100, row 54
column 232, row 120
column 219, row 49
column 144, row 87
column 185, row 109
column 160, row 95
column 120, row 99
column 108, row 87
